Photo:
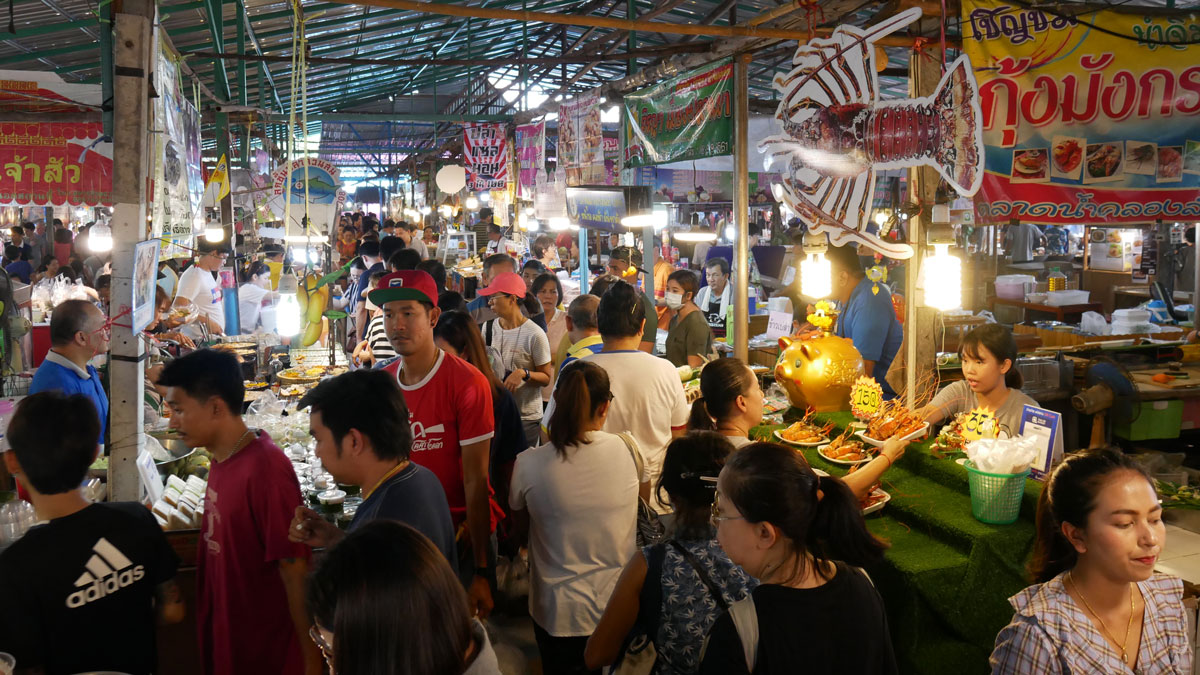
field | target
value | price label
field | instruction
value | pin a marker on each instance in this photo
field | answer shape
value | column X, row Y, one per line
column 980, row 423
column 779, row 324
column 866, row 396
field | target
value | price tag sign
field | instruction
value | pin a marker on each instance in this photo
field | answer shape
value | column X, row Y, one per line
column 1044, row 425
column 866, row 395
column 148, row 473
column 779, row 324
column 980, row 423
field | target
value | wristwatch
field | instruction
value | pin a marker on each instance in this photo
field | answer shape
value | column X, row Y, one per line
column 526, row 377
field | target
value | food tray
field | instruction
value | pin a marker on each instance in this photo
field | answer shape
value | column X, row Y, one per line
column 843, row 462
column 814, row 444
column 879, row 444
column 884, row 499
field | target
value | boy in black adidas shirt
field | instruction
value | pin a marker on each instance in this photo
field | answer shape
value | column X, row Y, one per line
column 81, row 592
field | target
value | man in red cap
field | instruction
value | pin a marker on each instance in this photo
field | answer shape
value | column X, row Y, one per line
column 449, row 411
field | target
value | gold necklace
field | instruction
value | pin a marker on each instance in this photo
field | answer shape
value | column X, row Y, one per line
column 237, row 447
column 1124, row 655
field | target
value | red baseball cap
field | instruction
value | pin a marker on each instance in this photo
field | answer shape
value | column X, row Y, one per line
column 509, row 282
column 405, row 285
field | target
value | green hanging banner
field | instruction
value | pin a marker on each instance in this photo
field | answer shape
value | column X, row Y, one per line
column 686, row 117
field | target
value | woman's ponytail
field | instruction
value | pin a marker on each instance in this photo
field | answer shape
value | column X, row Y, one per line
column 582, row 387
column 700, row 420
column 838, row 531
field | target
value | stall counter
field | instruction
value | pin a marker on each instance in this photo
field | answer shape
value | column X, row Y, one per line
column 946, row 577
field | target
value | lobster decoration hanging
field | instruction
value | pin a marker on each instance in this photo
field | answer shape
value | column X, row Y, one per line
column 837, row 133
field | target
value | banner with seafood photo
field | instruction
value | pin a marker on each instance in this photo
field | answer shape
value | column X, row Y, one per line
column 1081, row 125
column 581, row 141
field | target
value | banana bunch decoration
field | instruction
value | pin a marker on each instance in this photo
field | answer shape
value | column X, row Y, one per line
column 313, row 298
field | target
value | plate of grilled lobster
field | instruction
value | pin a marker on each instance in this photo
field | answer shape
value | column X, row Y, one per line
column 805, row 433
column 892, row 420
column 846, row 451
column 874, row 501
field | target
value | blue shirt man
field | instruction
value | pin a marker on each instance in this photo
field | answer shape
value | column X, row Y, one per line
column 867, row 317
column 78, row 331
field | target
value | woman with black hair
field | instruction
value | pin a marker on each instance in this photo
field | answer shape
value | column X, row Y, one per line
column 578, row 497
column 731, row 403
column 549, row 293
column 385, row 600
column 990, row 381
column 673, row 591
column 689, row 339
column 1097, row 605
column 802, row 536
column 255, row 296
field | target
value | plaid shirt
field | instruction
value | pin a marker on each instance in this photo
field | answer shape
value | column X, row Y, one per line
column 1049, row 633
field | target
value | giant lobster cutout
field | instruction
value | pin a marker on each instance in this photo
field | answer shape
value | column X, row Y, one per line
column 837, row 133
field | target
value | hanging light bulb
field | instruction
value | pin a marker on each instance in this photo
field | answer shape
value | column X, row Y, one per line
column 560, row 223
column 213, row 232
column 943, row 279
column 472, row 203
column 426, row 210
column 287, row 313
column 529, row 211
column 100, row 237
column 777, row 191
column 696, row 233
column 485, row 197
column 816, row 272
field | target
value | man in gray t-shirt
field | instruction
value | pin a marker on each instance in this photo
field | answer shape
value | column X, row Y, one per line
column 1021, row 240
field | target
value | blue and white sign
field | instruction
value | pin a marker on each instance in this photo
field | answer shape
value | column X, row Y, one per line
column 1045, row 425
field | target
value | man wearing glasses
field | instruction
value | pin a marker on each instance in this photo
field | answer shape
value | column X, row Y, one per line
column 78, row 331
column 199, row 288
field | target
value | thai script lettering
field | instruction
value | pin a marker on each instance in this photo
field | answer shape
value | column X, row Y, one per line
column 1015, row 23
column 1182, row 206
column 1152, row 33
column 1079, row 98
column 653, row 124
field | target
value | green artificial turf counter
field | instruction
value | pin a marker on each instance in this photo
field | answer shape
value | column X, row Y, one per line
column 947, row 577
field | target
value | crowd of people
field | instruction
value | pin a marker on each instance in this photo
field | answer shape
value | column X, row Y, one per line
column 473, row 433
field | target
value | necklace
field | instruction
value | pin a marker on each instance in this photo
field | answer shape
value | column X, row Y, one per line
column 1124, row 655
column 237, row 447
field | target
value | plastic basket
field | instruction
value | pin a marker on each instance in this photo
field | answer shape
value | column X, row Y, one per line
column 995, row 497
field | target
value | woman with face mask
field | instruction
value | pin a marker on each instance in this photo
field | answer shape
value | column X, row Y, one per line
column 689, row 339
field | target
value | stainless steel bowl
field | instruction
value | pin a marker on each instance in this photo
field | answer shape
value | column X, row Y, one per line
column 178, row 450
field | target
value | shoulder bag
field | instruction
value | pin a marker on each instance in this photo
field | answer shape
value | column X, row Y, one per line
column 650, row 529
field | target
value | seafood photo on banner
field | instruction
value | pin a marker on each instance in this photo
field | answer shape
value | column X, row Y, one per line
column 837, row 133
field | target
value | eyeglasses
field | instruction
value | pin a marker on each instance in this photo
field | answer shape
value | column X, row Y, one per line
column 319, row 641
column 715, row 518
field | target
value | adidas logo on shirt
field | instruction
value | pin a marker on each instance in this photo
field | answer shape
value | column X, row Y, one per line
column 107, row 571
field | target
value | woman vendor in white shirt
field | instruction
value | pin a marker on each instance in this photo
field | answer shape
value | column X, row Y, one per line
column 253, row 295
column 990, row 381
column 731, row 403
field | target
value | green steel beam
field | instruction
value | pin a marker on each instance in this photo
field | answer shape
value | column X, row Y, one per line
column 168, row 10
column 215, row 19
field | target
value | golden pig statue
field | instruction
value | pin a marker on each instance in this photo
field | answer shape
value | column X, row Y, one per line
column 818, row 371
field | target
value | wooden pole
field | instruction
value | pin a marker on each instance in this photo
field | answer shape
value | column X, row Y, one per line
column 134, row 63
column 741, row 207
column 647, row 52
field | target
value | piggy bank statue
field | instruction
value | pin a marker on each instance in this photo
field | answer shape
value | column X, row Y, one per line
column 818, row 371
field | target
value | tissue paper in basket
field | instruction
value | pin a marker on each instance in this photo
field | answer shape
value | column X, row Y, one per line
column 1003, row 455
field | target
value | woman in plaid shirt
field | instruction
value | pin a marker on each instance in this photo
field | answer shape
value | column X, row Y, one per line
column 1097, row 606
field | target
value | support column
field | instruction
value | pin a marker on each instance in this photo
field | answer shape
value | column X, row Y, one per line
column 920, row 340
column 741, row 208
column 133, row 60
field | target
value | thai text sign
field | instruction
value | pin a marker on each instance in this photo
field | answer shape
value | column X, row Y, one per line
column 55, row 163
column 531, row 156
column 687, row 117
column 485, row 153
column 1083, row 126
column 596, row 208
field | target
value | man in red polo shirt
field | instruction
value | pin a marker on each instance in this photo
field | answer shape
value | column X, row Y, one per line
column 449, row 410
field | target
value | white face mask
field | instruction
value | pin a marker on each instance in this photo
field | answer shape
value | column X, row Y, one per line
column 674, row 300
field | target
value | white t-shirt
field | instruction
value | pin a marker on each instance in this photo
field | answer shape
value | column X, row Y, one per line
column 525, row 346
column 419, row 246
column 582, row 524
column 250, row 302
column 648, row 400
column 202, row 289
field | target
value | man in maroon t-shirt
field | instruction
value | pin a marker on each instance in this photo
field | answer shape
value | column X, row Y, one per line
column 449, row 411
column 251, row 616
